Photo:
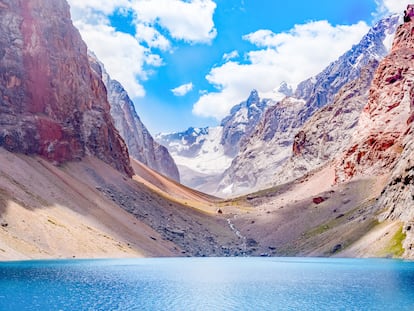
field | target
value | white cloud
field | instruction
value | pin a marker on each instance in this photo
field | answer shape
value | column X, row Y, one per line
column 152, row 37
column 291, row 56
column 104, row 6
column 182, row 89
column 231, row 55
column 392, row 6
column 125, row 62
column 124, row 58
column 191, row 21
column 129, row 59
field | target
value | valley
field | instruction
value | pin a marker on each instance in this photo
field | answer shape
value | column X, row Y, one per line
column 89, row 210
column 325, row 171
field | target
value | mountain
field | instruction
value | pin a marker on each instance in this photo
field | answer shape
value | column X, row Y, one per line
column 383, row 141
column 327, row 133
column 269, row 146
column 197, row 148
column 383, row 123
column 139, row 141
column 52, row 103
column 242, row 120
column 203, row 154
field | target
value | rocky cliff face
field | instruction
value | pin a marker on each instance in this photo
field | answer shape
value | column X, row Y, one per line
column 139, row 141
column 397, row 199
column 383, row 124
column 383, row 142
column 328, row 132
column 270, row 145
column 51, row 102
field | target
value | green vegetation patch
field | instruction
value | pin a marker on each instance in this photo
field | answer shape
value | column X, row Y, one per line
column 395, row 247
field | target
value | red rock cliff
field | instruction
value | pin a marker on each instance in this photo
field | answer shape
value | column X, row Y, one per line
column 384, row 123
column 51, row 102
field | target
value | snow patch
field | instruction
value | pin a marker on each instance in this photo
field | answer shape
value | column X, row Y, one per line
column 241, row 116
column 389, row 38
column 210, row 159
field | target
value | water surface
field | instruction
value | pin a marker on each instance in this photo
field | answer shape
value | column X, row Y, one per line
column 208, row 284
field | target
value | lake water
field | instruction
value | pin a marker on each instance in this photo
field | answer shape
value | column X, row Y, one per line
column 208, row 284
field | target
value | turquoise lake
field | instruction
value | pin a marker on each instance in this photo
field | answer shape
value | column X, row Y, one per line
column 208, row 284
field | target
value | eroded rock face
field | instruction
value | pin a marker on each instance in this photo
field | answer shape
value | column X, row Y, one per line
column 397, row 199
column 51, row 102
column 384, row 122
column 140, row 143
column 327, row 133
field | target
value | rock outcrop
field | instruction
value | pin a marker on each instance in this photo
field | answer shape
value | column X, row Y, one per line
column 140, row 143
column 397, row 199
column 383, row 124
column 51, row 102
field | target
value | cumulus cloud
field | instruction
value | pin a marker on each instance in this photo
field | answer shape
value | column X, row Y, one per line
column 231, row 55
column 124, row 63
column 190, row 21
column 131, row 58
column 104, row 6
column 150, row 35
column 182, row 89
column 281, row 57
column 392, row 6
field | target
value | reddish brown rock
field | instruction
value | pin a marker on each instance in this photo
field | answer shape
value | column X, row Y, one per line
column 377, row 142
column 51, row 102
column 318, row 200
column 298, row 143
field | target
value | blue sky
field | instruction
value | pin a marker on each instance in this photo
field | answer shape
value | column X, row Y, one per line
column 187, row 62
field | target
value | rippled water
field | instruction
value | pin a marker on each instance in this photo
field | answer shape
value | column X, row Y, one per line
column 208, row 284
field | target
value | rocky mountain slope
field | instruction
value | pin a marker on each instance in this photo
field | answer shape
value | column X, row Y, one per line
column 47, row 211
column 52, row 103
column 203, row 154
column 383, row 140
column 328, row 132
column 241, row 121
column 378, row 139
column 141, row 145
column 270, row 145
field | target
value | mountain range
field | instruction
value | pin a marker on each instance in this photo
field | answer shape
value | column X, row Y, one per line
column 325, row 171
column 258, row 134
